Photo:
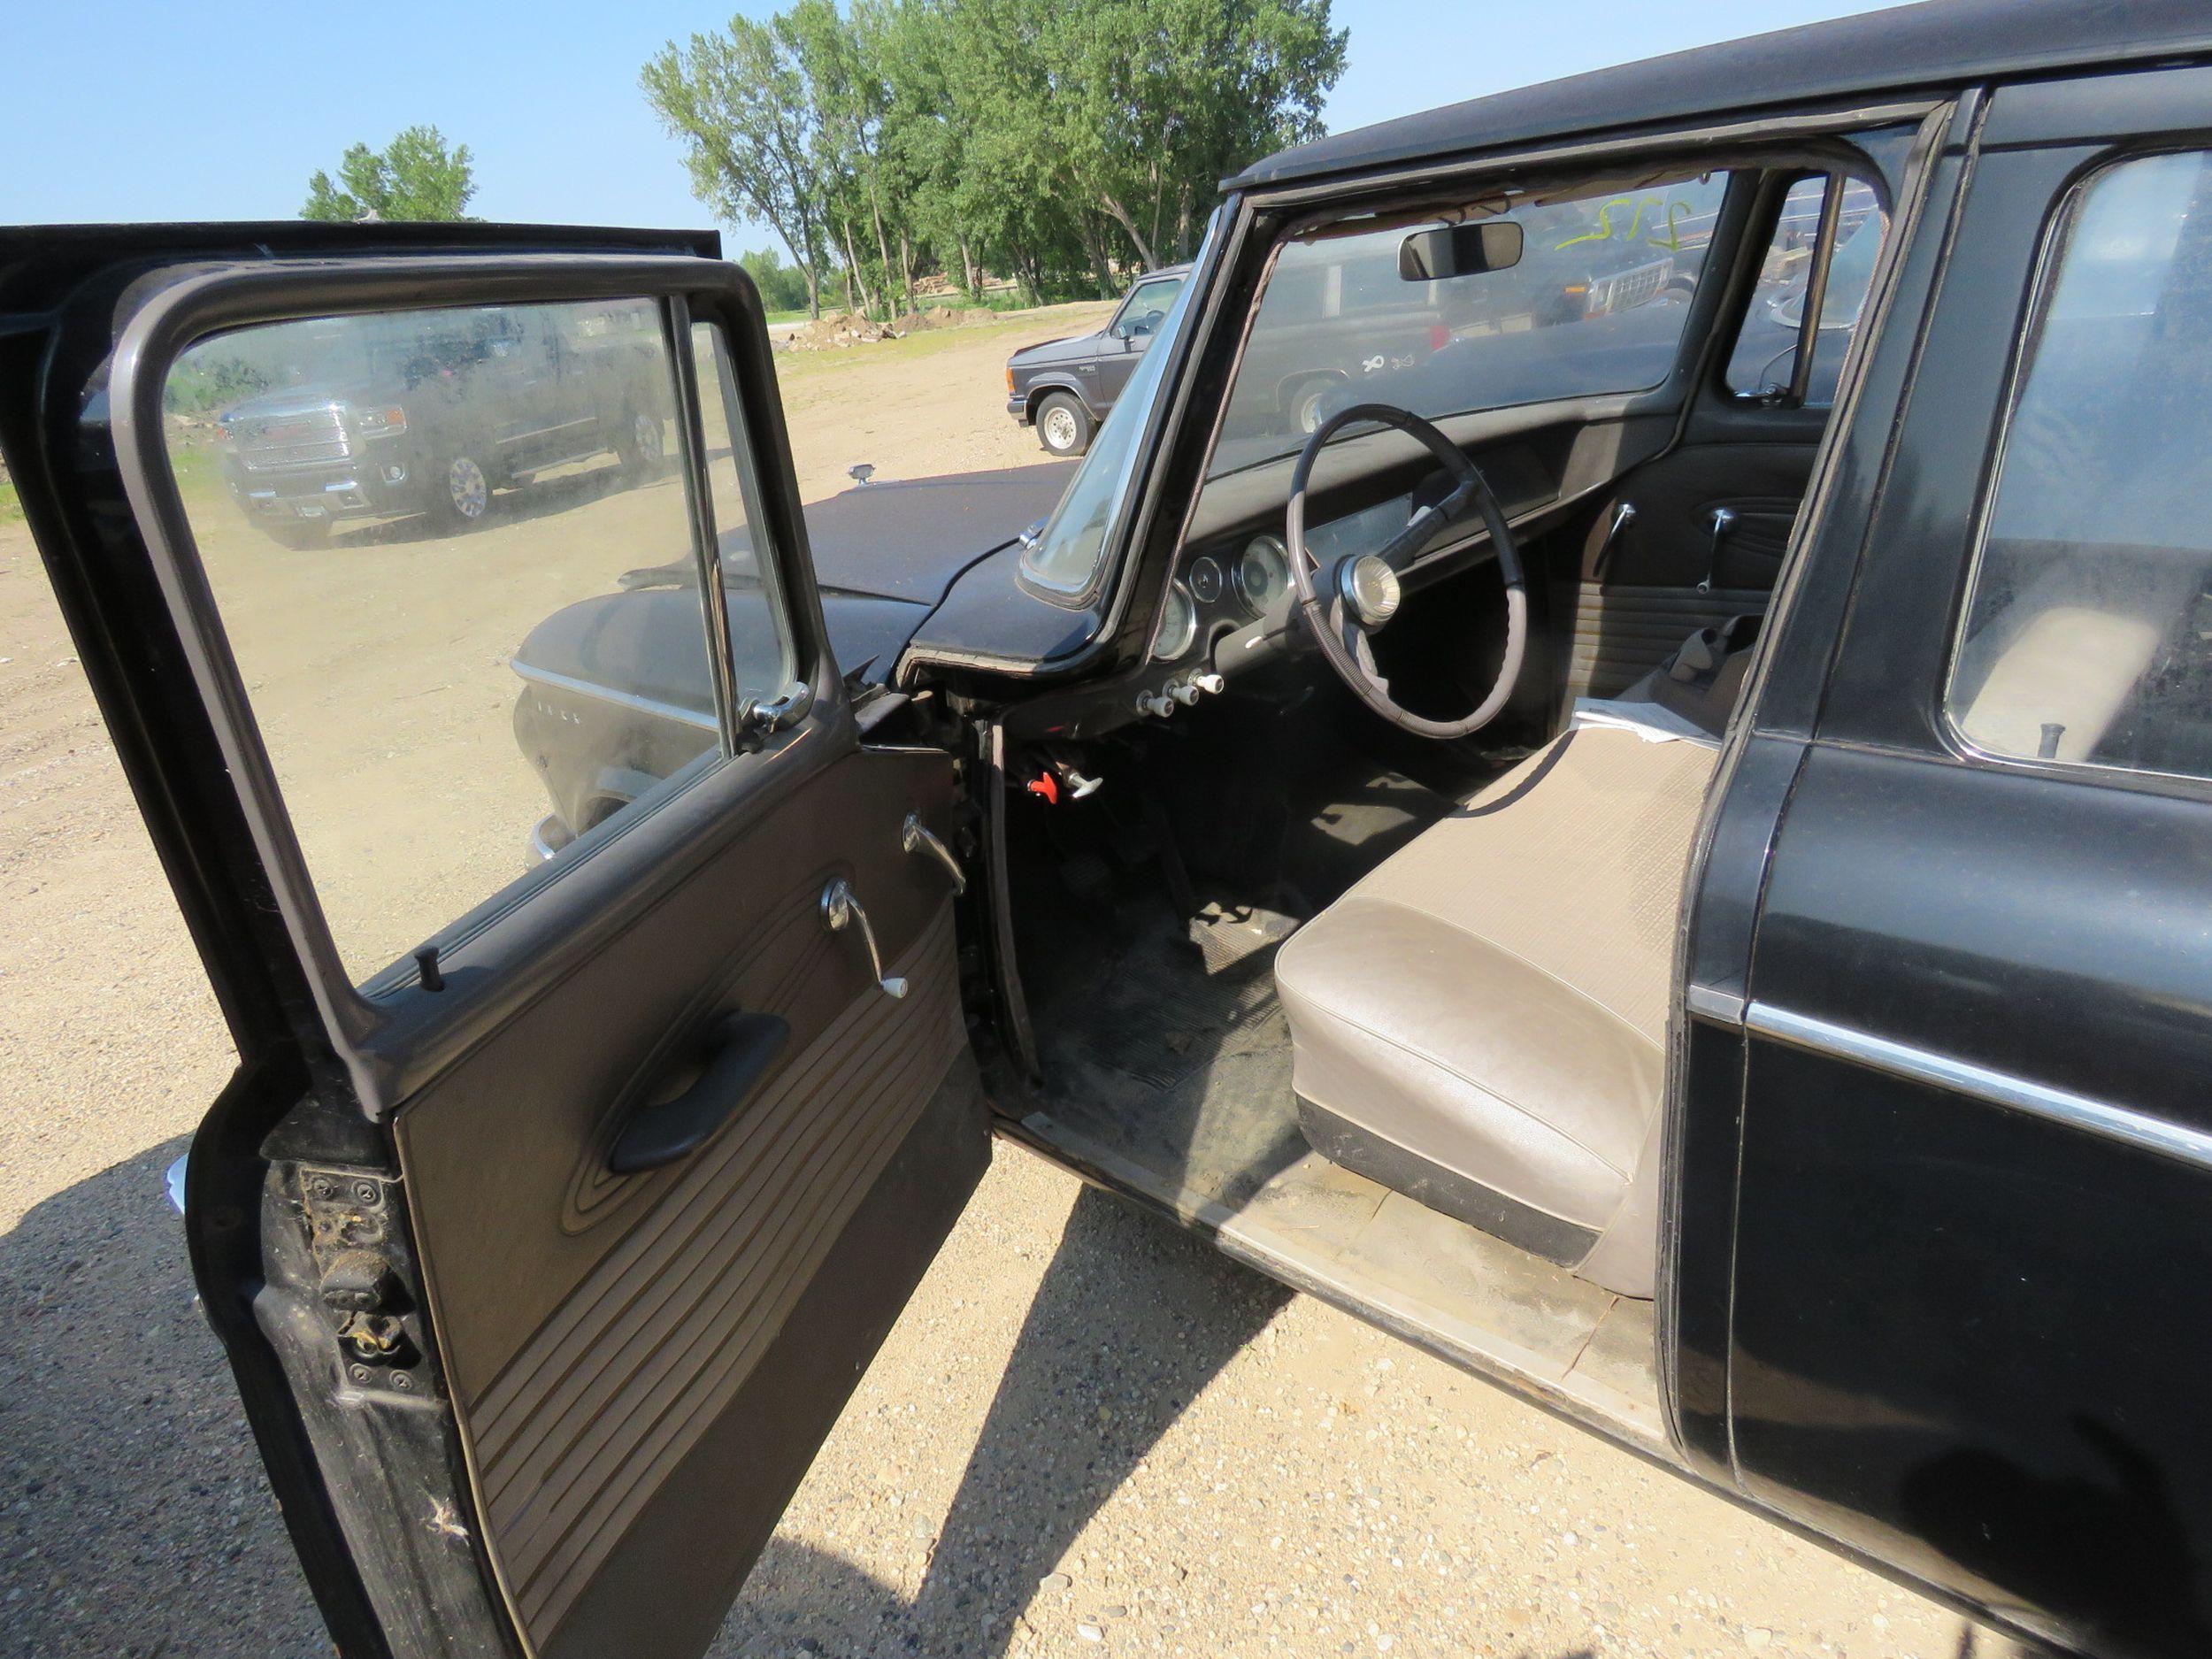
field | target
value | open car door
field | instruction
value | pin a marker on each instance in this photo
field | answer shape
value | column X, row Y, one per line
column 548, row 1221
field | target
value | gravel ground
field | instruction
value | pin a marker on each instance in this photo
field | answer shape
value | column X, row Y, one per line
column 1088, row 1432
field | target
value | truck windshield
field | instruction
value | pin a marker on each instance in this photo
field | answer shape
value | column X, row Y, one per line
column 1065, row 556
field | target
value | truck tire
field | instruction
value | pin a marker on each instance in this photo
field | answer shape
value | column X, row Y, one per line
column 641, row 444
column 1064, row 425
column 464, row 496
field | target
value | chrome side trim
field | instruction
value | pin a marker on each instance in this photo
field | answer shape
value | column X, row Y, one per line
column 608, row 694
column 1724, row 1006
column 1998, row 1088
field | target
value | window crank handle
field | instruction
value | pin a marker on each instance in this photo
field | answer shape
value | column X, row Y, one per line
column 841, row 908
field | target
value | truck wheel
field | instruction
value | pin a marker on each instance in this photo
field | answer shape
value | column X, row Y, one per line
column 641, row 446
column 301, row 535
column 1064, row 425
column 467, row 495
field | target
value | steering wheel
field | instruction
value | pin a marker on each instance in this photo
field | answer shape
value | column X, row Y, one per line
column 1364, row 592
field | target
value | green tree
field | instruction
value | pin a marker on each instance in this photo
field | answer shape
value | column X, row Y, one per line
column 414, row 177
column 782, row 288
column 741, row 109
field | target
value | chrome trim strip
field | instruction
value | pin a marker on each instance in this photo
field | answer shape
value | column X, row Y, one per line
column 625, row 699
column 1724, row 1006
column 1998, row 1088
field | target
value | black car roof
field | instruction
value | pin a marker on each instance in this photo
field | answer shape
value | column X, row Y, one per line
column 1938, row 45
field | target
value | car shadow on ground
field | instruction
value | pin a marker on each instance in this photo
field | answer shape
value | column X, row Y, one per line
column 134, row 1518
column 1130, row 1322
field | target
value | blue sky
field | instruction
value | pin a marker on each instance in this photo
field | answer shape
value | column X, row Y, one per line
column 152, row 110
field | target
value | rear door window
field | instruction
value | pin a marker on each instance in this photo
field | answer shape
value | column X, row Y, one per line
column 2087, row 637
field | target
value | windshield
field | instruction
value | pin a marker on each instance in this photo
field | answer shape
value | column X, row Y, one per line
column 1597, row 304
column 1065, row 556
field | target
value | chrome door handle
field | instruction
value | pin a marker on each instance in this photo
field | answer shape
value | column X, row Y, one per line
column 1623, row 516
column 841, row 908
column 1723, row 521
column 915, row 837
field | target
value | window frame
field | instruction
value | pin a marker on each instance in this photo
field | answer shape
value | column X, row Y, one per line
column 202, row 302
column 2059, row 223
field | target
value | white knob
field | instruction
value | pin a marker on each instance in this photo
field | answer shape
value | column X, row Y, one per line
column 1183, row 694
column 1154, row 703
column 1211, row 684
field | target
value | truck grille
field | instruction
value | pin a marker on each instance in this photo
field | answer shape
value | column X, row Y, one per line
column 1625, row 290
column 271, row 445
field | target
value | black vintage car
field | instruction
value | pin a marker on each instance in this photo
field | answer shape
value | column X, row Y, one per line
column 1684, row 895
column 402, row 419
column 1064, row 387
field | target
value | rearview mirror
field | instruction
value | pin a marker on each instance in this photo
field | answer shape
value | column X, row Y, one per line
column 1457, row 251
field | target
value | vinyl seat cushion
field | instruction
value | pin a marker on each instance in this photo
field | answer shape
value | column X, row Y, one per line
column 1488, row 1007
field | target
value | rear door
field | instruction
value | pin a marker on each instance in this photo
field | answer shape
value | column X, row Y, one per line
column 585, row 1140
column 1974, row 1155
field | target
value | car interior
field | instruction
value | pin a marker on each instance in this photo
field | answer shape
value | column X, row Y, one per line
column 1380, row 1002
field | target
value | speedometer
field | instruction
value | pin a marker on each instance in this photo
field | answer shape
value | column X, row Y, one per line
column 1178, row 625
column 1263, row 573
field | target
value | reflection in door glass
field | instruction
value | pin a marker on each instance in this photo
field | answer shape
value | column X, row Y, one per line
column 422, row 531
column 760, row 644
column 2088, row 637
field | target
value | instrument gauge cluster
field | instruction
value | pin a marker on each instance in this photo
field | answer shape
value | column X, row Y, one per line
column 1263, row 573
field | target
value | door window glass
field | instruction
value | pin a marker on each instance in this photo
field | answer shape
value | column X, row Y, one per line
column 2088, row 632
column 1148, row 306
column 440, row 542
column 1765, row 353
column 1597, row 304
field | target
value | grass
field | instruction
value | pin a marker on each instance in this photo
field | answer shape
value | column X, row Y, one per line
column 10, row 503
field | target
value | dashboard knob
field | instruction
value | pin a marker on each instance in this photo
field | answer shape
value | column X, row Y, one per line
column 1155, row 703
column 1211, row 684
column 1184, row 693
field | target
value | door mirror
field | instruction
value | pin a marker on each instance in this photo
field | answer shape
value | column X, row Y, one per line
column 1457, row 251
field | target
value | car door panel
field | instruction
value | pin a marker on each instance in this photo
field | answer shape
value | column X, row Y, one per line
column 671, row 1284
column 1663, row 573
column 513, row 1398
column 1934, row 1157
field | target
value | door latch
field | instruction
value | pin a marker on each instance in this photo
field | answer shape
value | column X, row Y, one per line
column 350, row 1237
column 841, row 909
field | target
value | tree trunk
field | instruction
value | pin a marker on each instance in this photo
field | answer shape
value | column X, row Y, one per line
column 1095, row 248
column 971, row 284
column 852, row 264
column 906, row 267
column 883, row 248
column 1129, row 225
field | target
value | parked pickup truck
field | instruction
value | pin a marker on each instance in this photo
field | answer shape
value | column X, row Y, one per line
column 1064, row 387
column 407, row 418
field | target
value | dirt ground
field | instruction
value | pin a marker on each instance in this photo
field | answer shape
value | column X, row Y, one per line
column 1088, row 1431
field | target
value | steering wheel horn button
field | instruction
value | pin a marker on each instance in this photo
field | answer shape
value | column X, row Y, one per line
column 1370, row 589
